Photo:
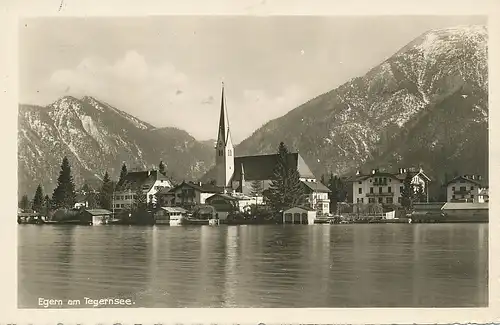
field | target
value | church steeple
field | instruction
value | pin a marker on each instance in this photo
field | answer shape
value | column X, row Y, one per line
column 224, row 151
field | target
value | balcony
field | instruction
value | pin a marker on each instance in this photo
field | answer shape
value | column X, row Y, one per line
column 378, row 183
column 380, row 194
column 462, row 192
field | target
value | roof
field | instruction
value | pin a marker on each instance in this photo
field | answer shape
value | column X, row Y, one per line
column 205, row 188
column 80, row 198
column 465, row 178
column 464, row 206
column 224, row 196
column 174, row 209
column 137, row 180
column 98, row 212
column 261, row 167
column 399, row 175
column 316, row 187
column 301, row 207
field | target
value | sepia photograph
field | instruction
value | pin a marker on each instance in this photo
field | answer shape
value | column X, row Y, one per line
column 253, row 162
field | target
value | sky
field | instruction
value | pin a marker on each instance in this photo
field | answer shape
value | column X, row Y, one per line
column 167, row 70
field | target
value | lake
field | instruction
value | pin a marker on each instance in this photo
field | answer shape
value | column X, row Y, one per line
column 360, row 265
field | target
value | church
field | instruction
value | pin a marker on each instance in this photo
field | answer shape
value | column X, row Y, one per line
column 236, row 174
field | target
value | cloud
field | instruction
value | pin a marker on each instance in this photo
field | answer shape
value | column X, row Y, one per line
column 152, row 93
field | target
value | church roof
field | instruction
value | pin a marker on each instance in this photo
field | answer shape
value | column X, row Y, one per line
column 141, row 179
column 261, row 167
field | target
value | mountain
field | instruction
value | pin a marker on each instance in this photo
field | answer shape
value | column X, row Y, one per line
column 96, row 137
column 426, row 105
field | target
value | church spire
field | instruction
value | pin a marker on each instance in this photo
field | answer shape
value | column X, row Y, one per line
column 224, row 133
column 224, row 157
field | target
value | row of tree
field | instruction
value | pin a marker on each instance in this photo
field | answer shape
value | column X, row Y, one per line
column 64, row 195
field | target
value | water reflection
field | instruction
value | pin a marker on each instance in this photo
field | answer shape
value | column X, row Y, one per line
column 258, row 266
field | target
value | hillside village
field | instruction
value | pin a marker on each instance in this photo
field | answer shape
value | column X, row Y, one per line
column 257, row 188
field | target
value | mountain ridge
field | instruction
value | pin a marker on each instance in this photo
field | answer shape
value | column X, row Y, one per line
column 367, row 121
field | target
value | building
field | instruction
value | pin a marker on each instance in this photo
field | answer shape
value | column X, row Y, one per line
column 317, row 196
column 465, row 212
column 234, row 202
column 95, row 216
column 187, row 194
column 299, row 215
column 386, row 188
column 483, row 196
column 81, row 201
column 466, row 188
column 237, row 174
column 162, row 216
column 147, row 182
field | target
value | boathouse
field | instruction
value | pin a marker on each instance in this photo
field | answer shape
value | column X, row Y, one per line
column 162, row 216
column 465, row 212
column 96, row 216
column 299, row 215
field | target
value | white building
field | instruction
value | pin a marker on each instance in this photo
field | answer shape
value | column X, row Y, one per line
column 466, row 188
column 386, row 188
column 148, row 182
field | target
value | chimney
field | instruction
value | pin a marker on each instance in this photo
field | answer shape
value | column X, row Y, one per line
column 374, row 171
column 199, row 183
column 358, row 172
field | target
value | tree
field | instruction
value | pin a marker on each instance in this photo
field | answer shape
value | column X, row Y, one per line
column 123, row 172
column 64, row 194
column 24, row 203
column 46, row 205
column 286, row 189
column 106, row 194
column 256, row 188
column 407, row 195
column 90, row 196
column 38, row 199
column 338, row 191
column 161, row 168
column 140, row 200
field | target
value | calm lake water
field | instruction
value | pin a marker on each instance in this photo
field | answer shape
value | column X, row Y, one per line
column 384, row 265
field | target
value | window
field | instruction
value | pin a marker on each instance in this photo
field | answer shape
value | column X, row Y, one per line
column 453, row 188
column 371, row 189
column 221, row 152
column 380, row 200
column 361, row 200
column 389, row 200
column 360, row 190
column 371, row 200
column 389, row 189
column 229, row 152
column 453, row 197
column 360, row 182
column 380, row 190
column 472, row 187
column 399, row 199
column 463, row 188
column 401, row 189
column 472, row 196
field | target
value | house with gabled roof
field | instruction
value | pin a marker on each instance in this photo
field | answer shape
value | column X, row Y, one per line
column 148, row 182
column 466, row 188
column 386, row 187
column 187, row 194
